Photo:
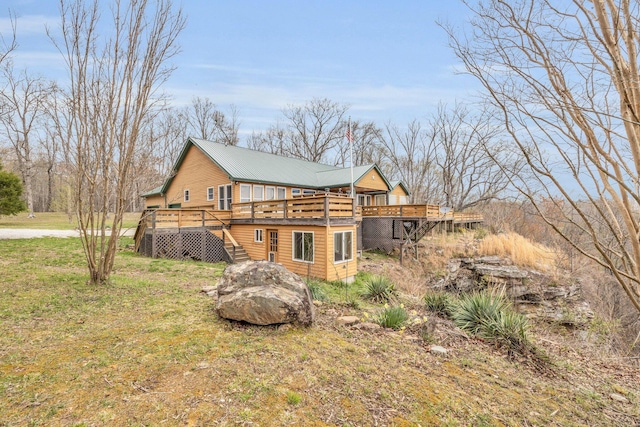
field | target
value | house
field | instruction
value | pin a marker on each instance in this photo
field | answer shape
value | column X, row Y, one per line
column 224, row 202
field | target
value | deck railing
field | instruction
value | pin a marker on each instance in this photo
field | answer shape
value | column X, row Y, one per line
column 325, row 206
column 417, row 211
column 171, row 218
column 311, row 207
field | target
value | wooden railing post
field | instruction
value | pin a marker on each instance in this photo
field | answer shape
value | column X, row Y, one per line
column 284, row 208
column 202, row 213
column 326, row 209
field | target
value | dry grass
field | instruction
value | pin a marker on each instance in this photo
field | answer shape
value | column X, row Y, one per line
column 149, row 350
column 520, row 250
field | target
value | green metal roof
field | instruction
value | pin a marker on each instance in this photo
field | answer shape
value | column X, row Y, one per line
column 243, row 164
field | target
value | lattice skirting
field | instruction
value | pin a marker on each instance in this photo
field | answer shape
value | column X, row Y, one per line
column 198, row 244
column 378, row 233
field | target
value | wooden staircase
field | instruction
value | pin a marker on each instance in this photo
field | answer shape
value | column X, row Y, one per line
column 235, row 251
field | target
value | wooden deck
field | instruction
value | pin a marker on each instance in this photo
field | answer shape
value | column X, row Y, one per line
column 317, row 208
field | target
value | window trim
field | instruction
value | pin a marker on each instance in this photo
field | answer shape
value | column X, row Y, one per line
column 266, row 192
column 258, row 235
column 211, row 194
column 284, row 190
column 293, row 246
column 224, row 199
column 244, row 199
column 342, row 249
column 257, row 186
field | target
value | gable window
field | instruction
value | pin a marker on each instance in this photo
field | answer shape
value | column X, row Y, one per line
column 282, row 193
column 303, row 246
column 270, row 193
column 343, row 246
column 187, row 195
column 245, row 193
column 257, row 235
column 258, row 193
column 225, row 196
column 210, row 194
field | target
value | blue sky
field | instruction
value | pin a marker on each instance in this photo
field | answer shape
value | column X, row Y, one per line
column 387, row 60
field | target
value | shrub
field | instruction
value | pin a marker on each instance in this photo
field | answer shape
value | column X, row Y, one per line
column 439, row 302
column 392, row 317
column 378, row 288
column 293, row 398
column 490, row 316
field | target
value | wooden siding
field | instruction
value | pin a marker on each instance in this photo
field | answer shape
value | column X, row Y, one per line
column 196, row 174
column 398, row 191
column 155, row 200
column 258, row 251
column 344, row 269
column 372, row 180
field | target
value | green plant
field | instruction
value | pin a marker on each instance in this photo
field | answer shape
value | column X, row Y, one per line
column 392, row 317
column 489, row 316
column 378, row 288
column 317, row 291
column 293, row 398
column 439, row 302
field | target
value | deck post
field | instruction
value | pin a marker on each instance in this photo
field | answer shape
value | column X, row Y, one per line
column 284, row 208
column 202, row 213
column 326, row 209
column 353, row 207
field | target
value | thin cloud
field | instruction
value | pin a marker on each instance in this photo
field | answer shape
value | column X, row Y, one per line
column 29, row 24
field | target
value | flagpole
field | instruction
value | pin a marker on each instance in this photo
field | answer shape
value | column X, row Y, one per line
column 350, row 139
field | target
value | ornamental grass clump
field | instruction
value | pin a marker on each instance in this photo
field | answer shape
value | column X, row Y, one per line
column 392, row 317
column 378, row 288
column 439, row 302
column 490, row 316
column 317, row 291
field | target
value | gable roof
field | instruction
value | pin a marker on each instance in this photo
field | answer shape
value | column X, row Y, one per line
column 246, row 165
column 394, row 184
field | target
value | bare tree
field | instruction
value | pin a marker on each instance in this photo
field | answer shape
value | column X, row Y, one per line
column 24, row 100
column 113, row 89
column 206, row 121
column 565, row 82
column 6, row 47
column 367, row 147
column 311, row 132
column 410, row 154
column 467, row 150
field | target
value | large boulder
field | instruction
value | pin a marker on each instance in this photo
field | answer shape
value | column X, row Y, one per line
column 264, row 293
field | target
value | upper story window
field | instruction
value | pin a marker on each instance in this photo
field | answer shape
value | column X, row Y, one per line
column 210, row 194
column 187, row 195
column 225, row 197
column 269, row 193
column 258, row 193
column 282, row 193
column 245, row 193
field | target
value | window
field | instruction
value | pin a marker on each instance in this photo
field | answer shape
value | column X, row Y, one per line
column 270, row 193
column 282, row 193
column 210, row 194
column 295, row 192
column 245, row 193
column 257, row 235
column 308, row 192
column 303, row 246
column 225, row 196
column 186, row 196
column 381, row 199
column 343, row 246
column 364, row 200
column 258, row 193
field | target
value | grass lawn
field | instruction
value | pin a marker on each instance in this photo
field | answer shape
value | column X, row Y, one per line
column 149, row 350
column 56, row 221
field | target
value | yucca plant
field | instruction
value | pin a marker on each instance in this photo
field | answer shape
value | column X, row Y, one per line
column 392, row 317
column 475, row 310
column 378, row 288
column 439, row 302
column 489, row 316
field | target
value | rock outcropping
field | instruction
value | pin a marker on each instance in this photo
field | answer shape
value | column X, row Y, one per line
column 532, row 292
column 264, row 293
